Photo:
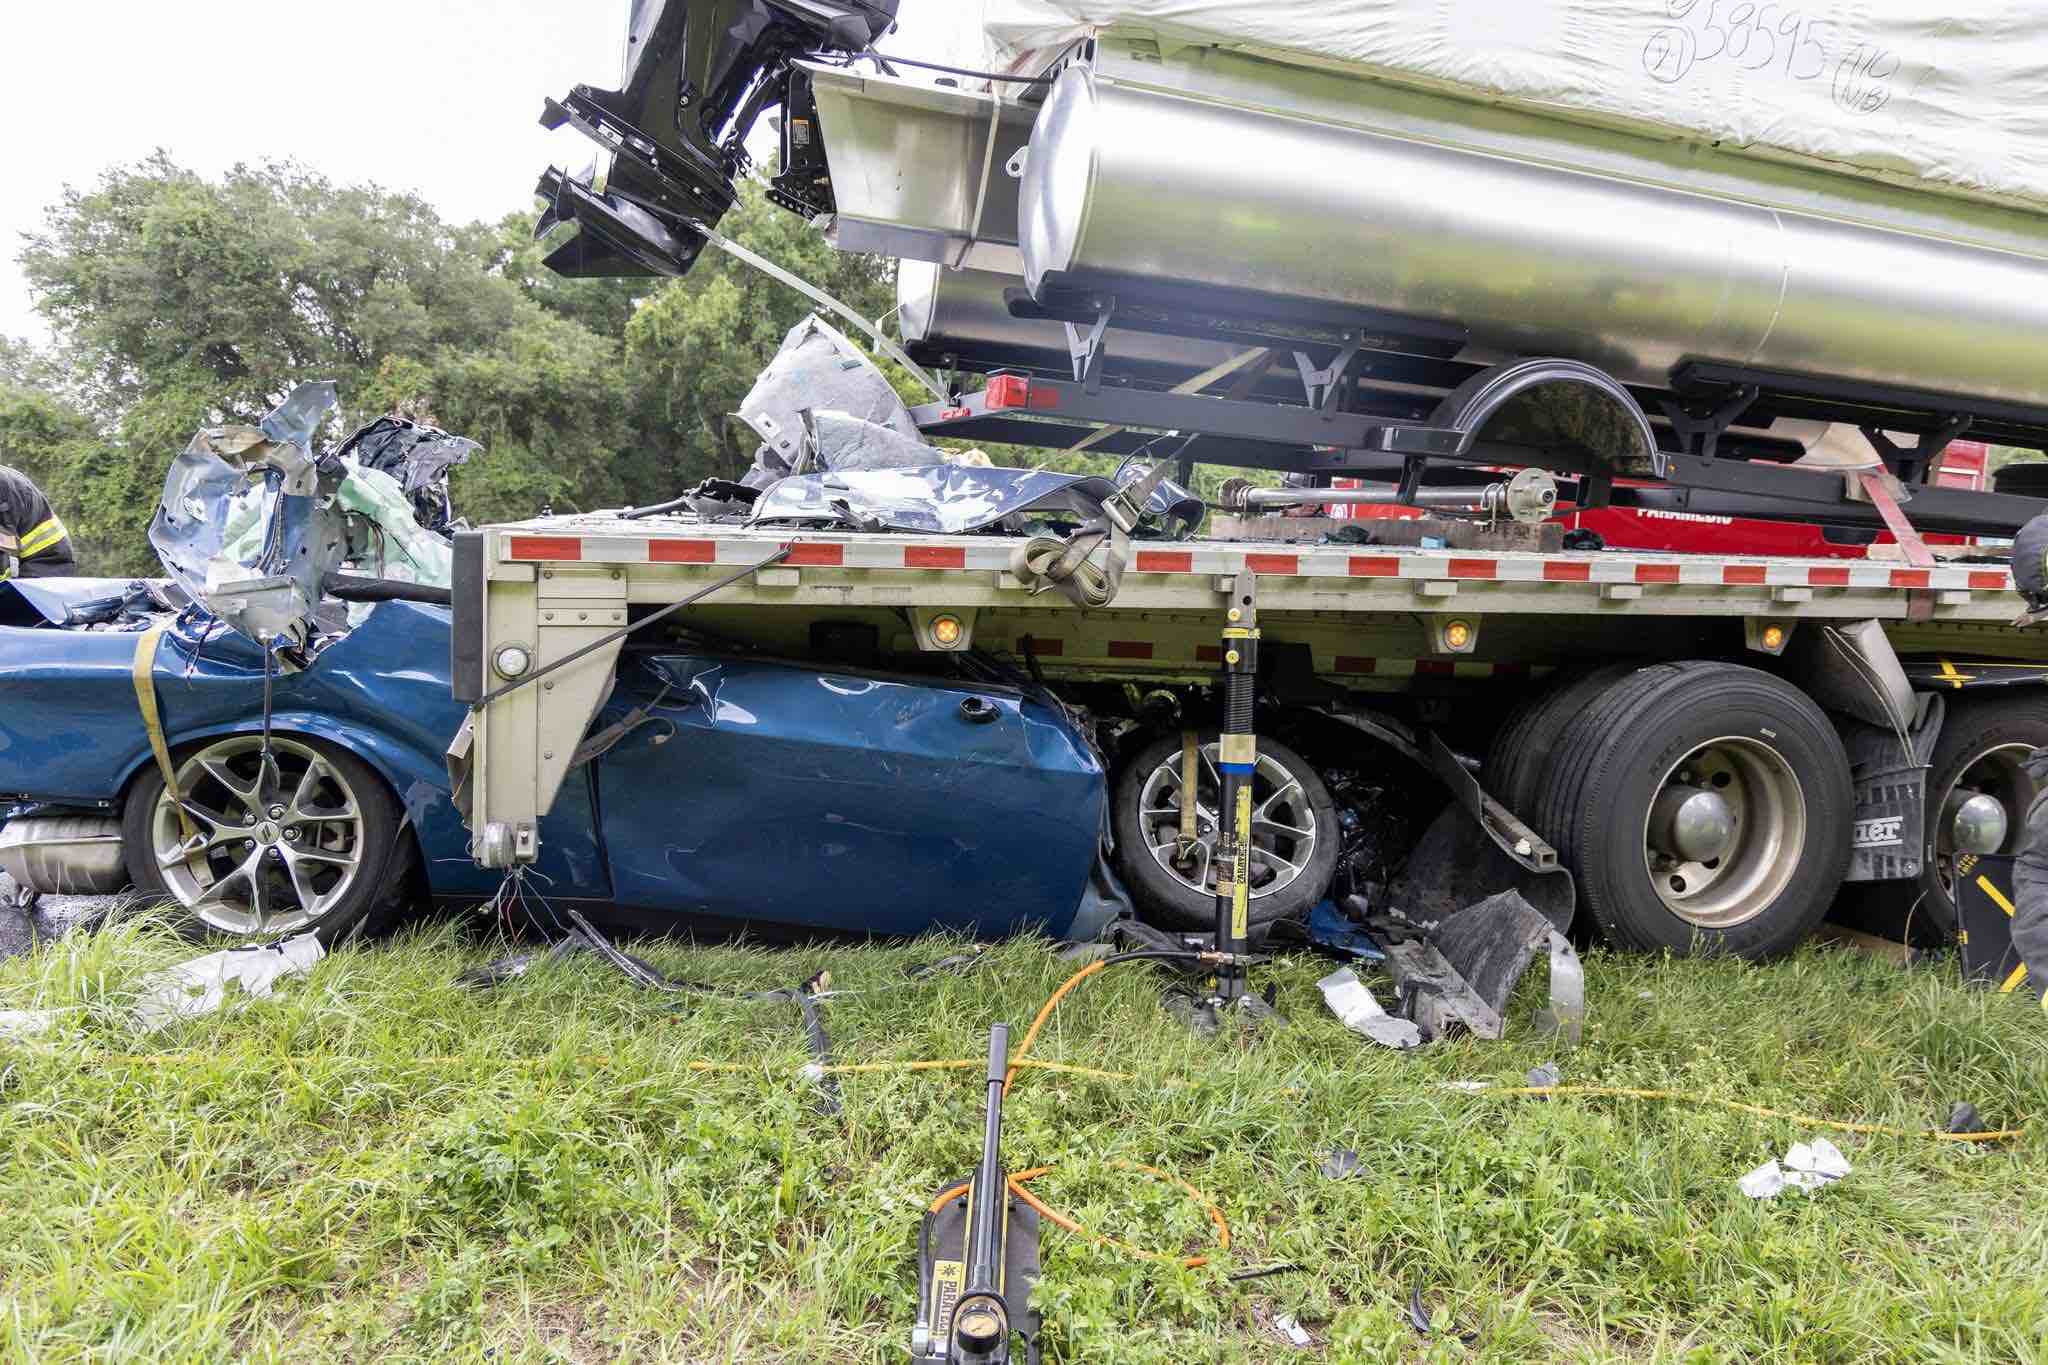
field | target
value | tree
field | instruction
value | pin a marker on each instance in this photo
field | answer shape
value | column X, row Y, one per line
column 695, row 345
column 87, row 477
column 186, row 300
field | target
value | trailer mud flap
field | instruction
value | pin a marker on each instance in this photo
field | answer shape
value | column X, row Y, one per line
column 1889, row 772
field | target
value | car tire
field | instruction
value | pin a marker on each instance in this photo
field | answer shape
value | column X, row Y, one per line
column 1982, row 743
column 1748, row 872
column 1170, row 900
column 1521, row 749
column 340, row 832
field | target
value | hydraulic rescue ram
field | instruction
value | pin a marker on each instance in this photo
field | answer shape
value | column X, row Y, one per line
column 978, row 1253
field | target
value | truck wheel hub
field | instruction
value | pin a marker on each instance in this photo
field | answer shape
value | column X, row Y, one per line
column 1980, row 824
column 1692, row 824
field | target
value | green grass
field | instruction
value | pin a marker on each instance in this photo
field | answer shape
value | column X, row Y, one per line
column 378, row 1164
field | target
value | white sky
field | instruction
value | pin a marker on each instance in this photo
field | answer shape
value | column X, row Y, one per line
column 437, row 96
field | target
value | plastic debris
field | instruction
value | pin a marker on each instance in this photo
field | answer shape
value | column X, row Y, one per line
column 200, row 986
column 1340, row 1163
column 26, row 1023
column 1352, row 1003
column 1807, row 1166
column 1546, row 1075
column 1963, row 1118
column 1329, row 927
column 1293, row 1331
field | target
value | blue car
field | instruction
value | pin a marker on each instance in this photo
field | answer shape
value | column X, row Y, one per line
column 731, row 791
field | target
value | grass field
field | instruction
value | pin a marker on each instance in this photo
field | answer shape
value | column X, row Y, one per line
column 379, row 1164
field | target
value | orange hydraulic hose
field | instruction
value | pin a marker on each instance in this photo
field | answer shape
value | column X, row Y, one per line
column 1044, row 1013
column 1018, row 1182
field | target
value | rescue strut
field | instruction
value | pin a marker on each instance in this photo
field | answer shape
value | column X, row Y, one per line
column 1237, row 762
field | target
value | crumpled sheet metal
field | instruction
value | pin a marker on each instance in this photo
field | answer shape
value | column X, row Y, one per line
column 953, row 499
column 236, row 524
column 76, row 603
column 932, row 499
column 818, row 370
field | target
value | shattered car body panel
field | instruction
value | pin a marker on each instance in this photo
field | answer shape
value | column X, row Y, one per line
column 850, row 802
column 252, row 524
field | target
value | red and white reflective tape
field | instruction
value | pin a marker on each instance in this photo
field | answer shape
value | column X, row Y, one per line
column 983, row 554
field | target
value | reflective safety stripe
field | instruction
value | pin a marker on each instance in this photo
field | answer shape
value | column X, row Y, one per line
column 42, row 537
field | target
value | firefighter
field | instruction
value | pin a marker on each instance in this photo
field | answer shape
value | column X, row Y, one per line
column 33, row 541
column 2030, row 868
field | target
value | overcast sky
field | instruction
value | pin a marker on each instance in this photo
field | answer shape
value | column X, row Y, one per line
column 436, row 96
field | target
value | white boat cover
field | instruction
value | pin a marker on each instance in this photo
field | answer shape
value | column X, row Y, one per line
column 1950, row 96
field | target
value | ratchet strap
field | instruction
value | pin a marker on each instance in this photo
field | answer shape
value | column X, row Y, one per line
column 152, row 721
column 1069, row 565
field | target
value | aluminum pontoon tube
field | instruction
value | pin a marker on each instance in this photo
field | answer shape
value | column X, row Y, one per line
column 1126, row 186
column 964, row 311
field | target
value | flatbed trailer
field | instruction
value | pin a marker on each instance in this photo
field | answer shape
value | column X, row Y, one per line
column 1411, row 640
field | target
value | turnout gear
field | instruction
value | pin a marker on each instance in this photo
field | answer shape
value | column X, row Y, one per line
column 33, row 541
column 2030, row 569
column 2030, row 877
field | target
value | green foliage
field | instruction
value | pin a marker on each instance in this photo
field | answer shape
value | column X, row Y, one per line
column 695, row 345
column 180, row 300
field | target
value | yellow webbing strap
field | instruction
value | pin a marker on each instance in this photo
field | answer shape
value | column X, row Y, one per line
column 1190, row 769
column 152, row 721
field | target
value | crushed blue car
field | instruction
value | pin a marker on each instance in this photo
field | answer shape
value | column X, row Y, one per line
column 304, row 716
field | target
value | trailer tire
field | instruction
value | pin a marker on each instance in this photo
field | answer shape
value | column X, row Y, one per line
column 1982, row 743
column 1521, row 749
column 1168, row 900
column 1703, row 807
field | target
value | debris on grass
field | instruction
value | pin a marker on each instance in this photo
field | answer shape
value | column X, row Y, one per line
column 200, row 986
column 1351, row 1002
column 1807, row 1166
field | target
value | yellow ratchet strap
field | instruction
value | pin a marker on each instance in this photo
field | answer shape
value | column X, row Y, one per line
column 152, row 720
